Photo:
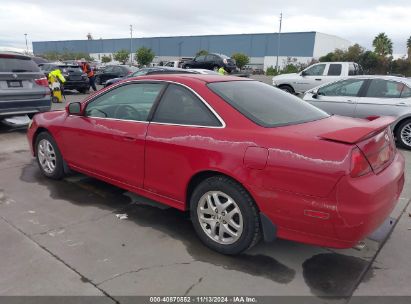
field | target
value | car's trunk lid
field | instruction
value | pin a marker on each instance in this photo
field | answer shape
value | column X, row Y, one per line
column 20, row 85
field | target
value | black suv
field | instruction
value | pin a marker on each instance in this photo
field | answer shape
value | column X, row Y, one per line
column 211, row 62
column 150, row 71
column 76, row 79
column 113, row 71
column 23, row 87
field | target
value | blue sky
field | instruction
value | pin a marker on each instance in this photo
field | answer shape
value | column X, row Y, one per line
column 358, row 21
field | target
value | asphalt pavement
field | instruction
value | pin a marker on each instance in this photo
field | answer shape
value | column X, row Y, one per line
column 69, row 238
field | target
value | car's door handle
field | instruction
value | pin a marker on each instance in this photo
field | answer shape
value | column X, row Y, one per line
column 401, row 104
column 350, row 101
column 318, row 79
column 129, row 138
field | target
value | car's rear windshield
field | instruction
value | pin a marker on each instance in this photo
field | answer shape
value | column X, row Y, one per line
column 66, row 68
column 265, row 105
column 16, row 64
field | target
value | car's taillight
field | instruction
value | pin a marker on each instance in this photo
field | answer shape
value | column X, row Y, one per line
column 359, row 164
column 375, row 154
column 42, row 82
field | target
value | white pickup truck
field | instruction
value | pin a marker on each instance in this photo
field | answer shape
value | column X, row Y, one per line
column 315, row 75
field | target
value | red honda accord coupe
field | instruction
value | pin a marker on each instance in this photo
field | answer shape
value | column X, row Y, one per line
column 248, row 160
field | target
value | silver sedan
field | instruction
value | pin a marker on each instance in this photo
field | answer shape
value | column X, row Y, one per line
column 368, row 97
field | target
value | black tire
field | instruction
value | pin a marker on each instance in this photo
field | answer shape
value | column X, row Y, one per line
column 54, row 99
column 83, row 91
column 403, row 127
column 215, row 68
column 287, row 88
column 251, row 232
column 98, row 80
column 58, row 171
column 187, row 66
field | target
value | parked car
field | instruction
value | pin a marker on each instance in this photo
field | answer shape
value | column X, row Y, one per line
column 273, row 167
column 113, row 71
column 315, row 75
column 23, row 87
column 174, row 64
column 211, row 62
column 203, row 71
column 369, row 97
column 76, row 79
column 151, row 71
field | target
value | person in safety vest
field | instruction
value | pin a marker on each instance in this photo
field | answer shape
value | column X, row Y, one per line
column 90, row 73
column 222, row 71
column 56, row 80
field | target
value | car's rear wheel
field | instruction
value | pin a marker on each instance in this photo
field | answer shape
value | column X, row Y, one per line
column 287, row 89
column 224, row 215
column 403, row 134
column 82, row 91
column 187, row 66
column 48, row 156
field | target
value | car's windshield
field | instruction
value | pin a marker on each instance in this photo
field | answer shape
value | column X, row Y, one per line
column 265, row 105
column 139, row 73
column 15, row 64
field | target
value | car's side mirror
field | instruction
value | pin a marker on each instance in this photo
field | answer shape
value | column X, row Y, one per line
column 314, row 94
column 74, row 108
column 304, row 73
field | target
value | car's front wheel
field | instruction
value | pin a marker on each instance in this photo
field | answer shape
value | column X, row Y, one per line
column 224, row 215
column 403, row 134
column 48, row 156
column 287, row 89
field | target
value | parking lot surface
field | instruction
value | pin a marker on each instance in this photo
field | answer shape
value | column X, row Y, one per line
column 81, row 236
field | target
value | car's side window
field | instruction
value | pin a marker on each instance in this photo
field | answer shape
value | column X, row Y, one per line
column 118, row 70
column 200, row 58
column 180, row 106
column 334, row 70
column 108, row 69
column 406, row 92
column 315, row 70
column 347, row 87
column 128, row 102
column 380, row 88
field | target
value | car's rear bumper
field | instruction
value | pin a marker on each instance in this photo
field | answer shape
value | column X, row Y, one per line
column 21, row 107
column 363, row 203
column 74, row 85
column 353, row 210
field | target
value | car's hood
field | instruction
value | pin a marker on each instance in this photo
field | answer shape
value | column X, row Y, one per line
column 286, row 76
column 113, row 80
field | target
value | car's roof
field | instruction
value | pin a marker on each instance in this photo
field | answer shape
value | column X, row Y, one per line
column 384, row 77
column 161, row 67
column 14, row 54
column 198, row 77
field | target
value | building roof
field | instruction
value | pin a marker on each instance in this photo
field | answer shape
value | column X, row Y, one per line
column 296, row 44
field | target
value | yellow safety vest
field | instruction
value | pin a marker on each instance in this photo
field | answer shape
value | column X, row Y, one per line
column 56, row 75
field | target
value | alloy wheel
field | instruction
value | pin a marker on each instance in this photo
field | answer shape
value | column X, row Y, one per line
column 47, row 156
column 406, row 134
column 220, row 217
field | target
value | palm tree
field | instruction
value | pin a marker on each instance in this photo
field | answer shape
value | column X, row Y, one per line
column 382, row 45
column 409, row 48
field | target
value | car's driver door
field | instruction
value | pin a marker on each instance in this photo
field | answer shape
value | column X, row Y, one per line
column 108, row 139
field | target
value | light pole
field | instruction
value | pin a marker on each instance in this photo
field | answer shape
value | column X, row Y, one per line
column 279, row 42
column 27, row 46
column 131, row 44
